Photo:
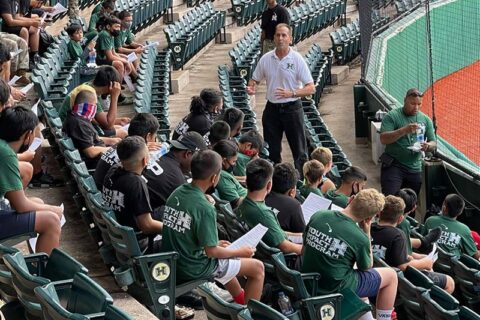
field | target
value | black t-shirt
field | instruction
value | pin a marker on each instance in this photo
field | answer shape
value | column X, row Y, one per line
column 162, row 184
column 126, row 193
column 390, row 244
column 289, row 214
column 200, row 123
column 9, row 7
column 272, row 17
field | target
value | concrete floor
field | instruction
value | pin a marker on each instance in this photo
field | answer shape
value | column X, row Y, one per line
column 336, row 107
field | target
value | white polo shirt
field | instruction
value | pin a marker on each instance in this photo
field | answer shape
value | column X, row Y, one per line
column 289, row 73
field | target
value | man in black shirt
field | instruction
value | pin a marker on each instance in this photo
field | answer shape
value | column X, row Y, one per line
column 390, row 244
column 144, row 125
column 274, row 15
column 175, row 164
column 282, row 198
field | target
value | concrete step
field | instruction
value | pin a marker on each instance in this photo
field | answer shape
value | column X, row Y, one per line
column 339, row 74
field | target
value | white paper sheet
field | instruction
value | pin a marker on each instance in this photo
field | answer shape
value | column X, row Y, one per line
column 312, row 204
column 125, row 127
column 35, row 107
column 13, row 80
column 57, row 9
column 13, row 54
column 132, row 57
column 296, row 239
column 33, row 241
column 152, row 44
column 433, row 255
column 335, row 207
column 129, row 83
column 27, row 88
column 251, row 238
column 37, row 142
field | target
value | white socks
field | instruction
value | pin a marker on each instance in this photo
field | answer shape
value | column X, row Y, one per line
column 384, row 314
column 367, row 316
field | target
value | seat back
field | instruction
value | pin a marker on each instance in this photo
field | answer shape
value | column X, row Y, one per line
column 467, row 314
column 439, row 305
column 114, row 313
column 217, row 308
column 467, row 276
column 291, row 280
column 260, row 311
column 443, row 264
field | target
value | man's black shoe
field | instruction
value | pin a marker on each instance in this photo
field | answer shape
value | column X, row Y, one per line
column 191, row 300
column 44, row 180
column 429, row 239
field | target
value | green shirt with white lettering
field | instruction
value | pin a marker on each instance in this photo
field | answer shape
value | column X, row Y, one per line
column 255, row 212
column 333, row 243
column 10, row 179
column 105, row 42
column 396, row 119
column 189, row 225
column 240, row 168
column 405, row 227
column 306, row 190
column 455, row 238
column 229, row 189
column 338, row 199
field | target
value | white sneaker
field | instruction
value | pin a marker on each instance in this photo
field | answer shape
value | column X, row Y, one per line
column 223, row 294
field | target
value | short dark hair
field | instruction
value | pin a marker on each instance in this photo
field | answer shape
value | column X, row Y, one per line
column 74, row 27
column 129, row 147
column 232, row 116
column 205, row 163
column 124, row 14
column 253, row 137
column 4, row 53
column 108, row 4
column 454, row 204
column 218, row 131
column 111, row 20
column 409, row 197
column 259, row 171
column 143, row 124
column 285, row 177
column 354, row 174
column 208, row 97
column 84, row 96
column 15, row 122
column 393, row 209
column 413, row 92
column 4, row 92
column 226, row 148
column 105, row 76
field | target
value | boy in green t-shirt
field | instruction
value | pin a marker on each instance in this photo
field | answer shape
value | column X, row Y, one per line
column 228, row 188
column 325, row 156
column 335, row 241
column 249, row 145
column 125, row 41
column 105, row 9
column 76, row 51
column 354, row 180
column 456, row 237
column 253, row 209
column 190, row 228
column 313, row 172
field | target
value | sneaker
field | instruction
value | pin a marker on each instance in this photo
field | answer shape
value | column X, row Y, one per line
column 183, row 313
column 44, row 180
column 23, row 81
column 191, row 300
column 123, row 99
column 429, row 239
column 223, row 294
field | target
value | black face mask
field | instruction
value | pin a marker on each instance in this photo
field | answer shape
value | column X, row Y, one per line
column 230, row 169
column 24, row 147
column 210, row 190
column 115, row 33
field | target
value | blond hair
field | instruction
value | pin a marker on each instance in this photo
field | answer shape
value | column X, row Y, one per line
column 313, row 171
column 322, row 154
column 367, row 203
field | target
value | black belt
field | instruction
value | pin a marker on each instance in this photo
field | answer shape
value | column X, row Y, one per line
column 285, row 104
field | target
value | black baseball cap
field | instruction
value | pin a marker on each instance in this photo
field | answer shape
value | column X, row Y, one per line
column 191, row 140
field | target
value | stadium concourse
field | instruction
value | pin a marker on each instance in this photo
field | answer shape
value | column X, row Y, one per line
column 335, row 108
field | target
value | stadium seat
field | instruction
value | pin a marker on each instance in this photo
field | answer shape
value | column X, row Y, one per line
column 467, row 279
column 444, row 263
column 411, row 285
column 260, row 311
column 114, row 313
column 467, row 314
column 36, row 270
column 437, row 304
column 217, row 308
column 7, row 292
column 85, row 299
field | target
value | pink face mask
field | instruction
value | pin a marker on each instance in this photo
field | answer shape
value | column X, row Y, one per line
column 249, row 153
column 85, row 110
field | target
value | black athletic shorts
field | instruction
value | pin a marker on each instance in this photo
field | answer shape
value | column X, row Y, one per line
column 13, row 223
column 438, row 279
column 15, row 30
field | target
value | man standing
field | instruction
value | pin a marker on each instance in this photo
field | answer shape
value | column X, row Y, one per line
column 401, row 129
column 274, row 15
column 285, row 72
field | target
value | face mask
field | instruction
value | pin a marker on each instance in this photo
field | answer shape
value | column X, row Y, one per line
column 210, row 190
column 24, row 147
column 230, row 169
column 115, row 33
column 249, row 153
column 85, row 110
column 127, row 25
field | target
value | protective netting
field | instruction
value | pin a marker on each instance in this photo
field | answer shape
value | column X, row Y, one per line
column 411, row 53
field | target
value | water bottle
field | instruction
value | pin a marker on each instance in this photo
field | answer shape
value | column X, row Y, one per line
column 157, row 154
column 284, row 304
column 421, row 133
column 92, row 58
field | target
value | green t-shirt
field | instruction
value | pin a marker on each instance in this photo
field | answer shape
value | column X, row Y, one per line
column 229, row 189
column 333, row 243
column 125, row 37
column 10, row 179
column 92, row 25
column 75, row 49
column 69, row 100
column 395, row 119
column 405, row 227
column 455, row 238
column 253, row 213
column 240, row 168
column 189, row 225
column 97, row 8
column 338, row 199
column 104, row 42
column 306, row 190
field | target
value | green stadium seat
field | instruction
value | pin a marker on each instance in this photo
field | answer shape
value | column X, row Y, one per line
column 467, row 279
column 444, row 262
column 114, row 313
column 7, row 292
column 260, row 311
column 215, row 307
column 467, row 314
column 437, row 304
column 36, row 270
column 411, row 285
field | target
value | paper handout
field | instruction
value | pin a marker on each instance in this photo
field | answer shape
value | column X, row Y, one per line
column 132, row 57
column 35, row 107
column 251, row 238
column 37, row 142
column 57, row 9
column 13, row 80
column 27, row 88
column 433, row 255
column 312, row 204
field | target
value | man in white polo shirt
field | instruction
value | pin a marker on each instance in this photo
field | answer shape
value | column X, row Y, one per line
column 288, row 79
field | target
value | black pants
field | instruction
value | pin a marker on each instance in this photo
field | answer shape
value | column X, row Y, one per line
column 288, row 117
column 395, row 177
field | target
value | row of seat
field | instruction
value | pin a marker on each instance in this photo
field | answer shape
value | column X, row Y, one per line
column 56, row 74
column 320, row 65
column 249, row 11
column 246, row 53
column 193, row 31
column 346, row 42
column 144, row 12
column 310, row 17
column 380, row 4
column 406, row 5
column 153, row 87
column 194, row 3
column 378, row 20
